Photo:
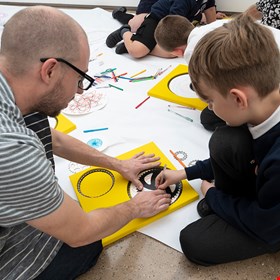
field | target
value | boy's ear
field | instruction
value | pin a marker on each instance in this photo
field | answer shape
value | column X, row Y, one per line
column 239, row 97
column 179, row 52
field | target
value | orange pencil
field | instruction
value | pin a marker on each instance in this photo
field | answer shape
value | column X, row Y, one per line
column 175, row 156
column 123, row 74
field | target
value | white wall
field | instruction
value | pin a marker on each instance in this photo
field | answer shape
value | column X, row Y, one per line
column 234, row 6
column 222, row 5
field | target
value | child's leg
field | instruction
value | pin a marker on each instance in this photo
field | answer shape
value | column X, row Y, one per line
column 121, row 16
column 232, row 159
column 139, row 44
column 143, row 41
column 211, row 241
column 209, row 120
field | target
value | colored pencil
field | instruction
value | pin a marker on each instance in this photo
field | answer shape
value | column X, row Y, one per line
column 115, row 87
column 142, row 79
column 125, row 78
column 182, row 107
column 138, row 73
column 123, row 74
column 142, row 102
column 95, row 129
column 114, row 76
column 163, row 175
column 175, row 156
column 185, row 117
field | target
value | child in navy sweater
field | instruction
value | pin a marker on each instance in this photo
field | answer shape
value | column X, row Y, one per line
column 236, row 70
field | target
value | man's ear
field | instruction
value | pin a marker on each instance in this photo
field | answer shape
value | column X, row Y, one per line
column 48, row 70
column 239, row 98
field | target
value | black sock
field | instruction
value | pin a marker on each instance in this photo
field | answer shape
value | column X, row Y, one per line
column 124, row 29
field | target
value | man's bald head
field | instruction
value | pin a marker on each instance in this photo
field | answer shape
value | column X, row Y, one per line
column 37, row 32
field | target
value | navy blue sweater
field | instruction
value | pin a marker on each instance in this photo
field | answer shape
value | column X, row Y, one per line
column 258, row 216
column 185, row 8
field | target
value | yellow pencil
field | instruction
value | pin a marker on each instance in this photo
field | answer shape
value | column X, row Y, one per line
column 138, row 73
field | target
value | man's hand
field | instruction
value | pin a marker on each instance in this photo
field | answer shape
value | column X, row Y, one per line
column 131, row 168
column 150, row 203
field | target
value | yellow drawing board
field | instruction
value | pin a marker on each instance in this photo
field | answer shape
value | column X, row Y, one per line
column 98, row 188
column 162, row 90
column 63, row 124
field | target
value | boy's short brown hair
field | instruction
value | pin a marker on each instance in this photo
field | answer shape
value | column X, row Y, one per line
column 239, row 53
column 172, row 32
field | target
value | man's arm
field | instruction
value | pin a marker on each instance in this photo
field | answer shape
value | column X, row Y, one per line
column 73, row 226
column 75, row 150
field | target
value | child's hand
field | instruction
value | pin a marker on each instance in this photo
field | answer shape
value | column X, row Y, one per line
column 205, row 186
column 169, row 177
column 220, row 15
column 136, row 21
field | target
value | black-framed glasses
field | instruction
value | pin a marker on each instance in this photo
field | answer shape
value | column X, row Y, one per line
column 86, row 81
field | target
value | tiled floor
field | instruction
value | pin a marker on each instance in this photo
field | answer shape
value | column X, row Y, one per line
column 140, row 257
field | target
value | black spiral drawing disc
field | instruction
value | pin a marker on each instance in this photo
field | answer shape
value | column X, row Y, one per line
column 147, row 178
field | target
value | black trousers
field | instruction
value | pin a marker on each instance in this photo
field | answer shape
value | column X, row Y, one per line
column 69, row 263
column 211, row 240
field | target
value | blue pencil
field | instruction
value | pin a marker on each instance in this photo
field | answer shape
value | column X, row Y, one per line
column 125, row 78
column 96, row 129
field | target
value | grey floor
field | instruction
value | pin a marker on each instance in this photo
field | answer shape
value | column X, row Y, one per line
column 140, row 257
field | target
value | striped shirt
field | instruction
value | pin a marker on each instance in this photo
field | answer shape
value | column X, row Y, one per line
column 28, row 190
column 39, row 123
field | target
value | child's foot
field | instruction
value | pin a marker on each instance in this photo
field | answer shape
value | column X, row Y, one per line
column 203, row 208
column 116, row 36
column 118, row 10
column 120, row 49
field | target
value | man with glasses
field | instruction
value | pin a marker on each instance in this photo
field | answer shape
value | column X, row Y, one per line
column 44, row 234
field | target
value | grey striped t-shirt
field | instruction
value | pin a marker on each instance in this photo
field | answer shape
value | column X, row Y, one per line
column 28, row 190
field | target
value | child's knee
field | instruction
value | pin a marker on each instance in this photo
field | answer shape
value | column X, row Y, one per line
column 193, row 246
column 226, row 139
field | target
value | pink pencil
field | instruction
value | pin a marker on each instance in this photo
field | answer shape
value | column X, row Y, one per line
column 142, row 102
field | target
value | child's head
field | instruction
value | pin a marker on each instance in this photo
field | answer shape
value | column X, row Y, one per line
column 241, row 53
column 173, row 32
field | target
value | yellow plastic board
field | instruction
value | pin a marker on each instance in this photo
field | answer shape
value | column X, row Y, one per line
column 100, row 188
column 63, row 124
column 162, row 90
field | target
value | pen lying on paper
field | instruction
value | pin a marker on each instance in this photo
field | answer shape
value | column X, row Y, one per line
column 185, row 117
